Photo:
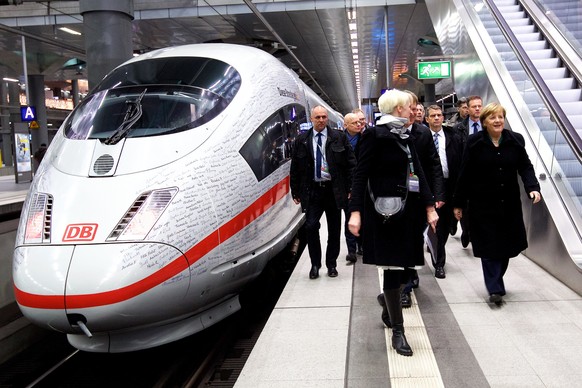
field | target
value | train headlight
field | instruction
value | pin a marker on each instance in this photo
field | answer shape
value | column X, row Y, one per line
column 143, row 214
column 38, row 219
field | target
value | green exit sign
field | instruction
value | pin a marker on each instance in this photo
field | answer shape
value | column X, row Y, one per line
column 432, row 70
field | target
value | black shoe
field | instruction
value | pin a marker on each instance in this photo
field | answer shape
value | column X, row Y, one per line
column 314, row 273
column 439, row 272
column 405, row 300
column 351, row 257
column 496, row 298
column 465, row 239
column 399, row 342
column 332, row 272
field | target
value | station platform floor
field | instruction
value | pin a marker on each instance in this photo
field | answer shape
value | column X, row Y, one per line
column 328, row 333
column 12, row 194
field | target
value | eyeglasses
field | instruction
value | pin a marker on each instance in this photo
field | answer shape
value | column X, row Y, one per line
column 320, row 117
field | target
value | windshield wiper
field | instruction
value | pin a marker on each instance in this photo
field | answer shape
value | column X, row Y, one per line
column 133, row 113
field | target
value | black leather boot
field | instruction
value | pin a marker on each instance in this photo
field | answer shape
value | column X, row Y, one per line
column 385, row 315
column 399, row 342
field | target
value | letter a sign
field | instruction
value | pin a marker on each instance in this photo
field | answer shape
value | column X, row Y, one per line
column 28, row 113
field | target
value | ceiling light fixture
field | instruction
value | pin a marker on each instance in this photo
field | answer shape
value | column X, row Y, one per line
column 353, row 31
column 69, row 31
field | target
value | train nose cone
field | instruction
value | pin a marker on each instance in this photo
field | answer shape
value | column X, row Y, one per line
column 113, row 286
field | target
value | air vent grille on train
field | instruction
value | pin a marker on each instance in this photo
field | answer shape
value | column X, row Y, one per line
column 103, row 164
column 39, row 218
column 143, row 214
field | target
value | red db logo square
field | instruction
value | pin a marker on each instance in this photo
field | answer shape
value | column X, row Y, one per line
column 80, row 232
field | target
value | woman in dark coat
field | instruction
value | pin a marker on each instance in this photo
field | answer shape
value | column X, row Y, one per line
column 388, row 161
column 492, row 160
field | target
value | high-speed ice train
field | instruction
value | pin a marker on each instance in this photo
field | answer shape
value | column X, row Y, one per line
column 162, row 195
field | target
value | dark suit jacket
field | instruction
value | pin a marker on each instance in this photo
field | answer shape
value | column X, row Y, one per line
column 429, row 159
column 454, row 149
column 340, row 159
column 462, row 128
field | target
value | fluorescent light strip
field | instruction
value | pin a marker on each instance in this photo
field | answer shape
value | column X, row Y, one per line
column 69, row 31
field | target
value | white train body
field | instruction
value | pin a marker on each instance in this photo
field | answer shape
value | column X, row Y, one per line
column 161, row 196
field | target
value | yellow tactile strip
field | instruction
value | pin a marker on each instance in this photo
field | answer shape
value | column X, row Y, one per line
column 420, row 370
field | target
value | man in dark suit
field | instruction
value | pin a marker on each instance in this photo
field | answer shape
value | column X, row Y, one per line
column 321, row 176
column 467, row 127
column 431, row 165
column 471, row 124
column 353, row 127
column 449, row 146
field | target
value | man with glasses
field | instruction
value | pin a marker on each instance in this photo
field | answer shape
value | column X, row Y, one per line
column 321, row 176
column 361, row 118
column 353, row 127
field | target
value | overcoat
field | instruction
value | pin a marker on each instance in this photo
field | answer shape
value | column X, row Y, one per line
column 429, row 159
column 488, row 184
column 381, row 161
column 341, row 162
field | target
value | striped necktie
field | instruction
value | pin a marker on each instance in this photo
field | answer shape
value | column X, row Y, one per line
column 318, row 157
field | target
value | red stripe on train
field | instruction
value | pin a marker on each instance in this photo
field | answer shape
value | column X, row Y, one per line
column 223, row 233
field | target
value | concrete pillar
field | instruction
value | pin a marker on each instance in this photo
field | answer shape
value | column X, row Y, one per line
column 37, row 99
column 429, row 94
column 108, row 39
column 75, row 92
column 13, row 117
column 4, row 124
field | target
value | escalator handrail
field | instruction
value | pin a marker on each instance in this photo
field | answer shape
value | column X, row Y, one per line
column 562, row 121
column 555, row 37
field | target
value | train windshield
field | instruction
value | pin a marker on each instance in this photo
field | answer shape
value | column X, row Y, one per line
column 154, row 97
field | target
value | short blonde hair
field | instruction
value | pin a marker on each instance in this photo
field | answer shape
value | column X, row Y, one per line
column 391, row 99
column 490, row 109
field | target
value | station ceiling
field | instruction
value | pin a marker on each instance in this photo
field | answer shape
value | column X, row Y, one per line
column 317, row 32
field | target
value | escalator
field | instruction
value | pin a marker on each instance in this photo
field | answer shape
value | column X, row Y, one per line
column 530, row 54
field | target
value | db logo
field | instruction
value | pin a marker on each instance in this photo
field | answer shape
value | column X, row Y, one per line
column 80, row 232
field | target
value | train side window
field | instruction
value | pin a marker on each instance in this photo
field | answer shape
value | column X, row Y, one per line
column 271, row 144
column 295, row 117
column 264, row 150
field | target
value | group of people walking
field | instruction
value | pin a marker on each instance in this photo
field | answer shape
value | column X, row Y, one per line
column 441, row 173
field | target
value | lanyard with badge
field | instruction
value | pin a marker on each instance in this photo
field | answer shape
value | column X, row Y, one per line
column 413, row 184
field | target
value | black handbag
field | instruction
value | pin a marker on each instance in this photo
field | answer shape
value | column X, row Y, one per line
column 388, row 207
column 391, row 207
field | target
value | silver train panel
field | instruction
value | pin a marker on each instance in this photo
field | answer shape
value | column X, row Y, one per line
column 139, row 237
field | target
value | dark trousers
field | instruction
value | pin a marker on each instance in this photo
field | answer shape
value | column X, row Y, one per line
column 442, row 232
column 321, row 201
column 465, row 222
column 411, row 280
column 395, row 278
column 493, row 271
column 352, row 241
